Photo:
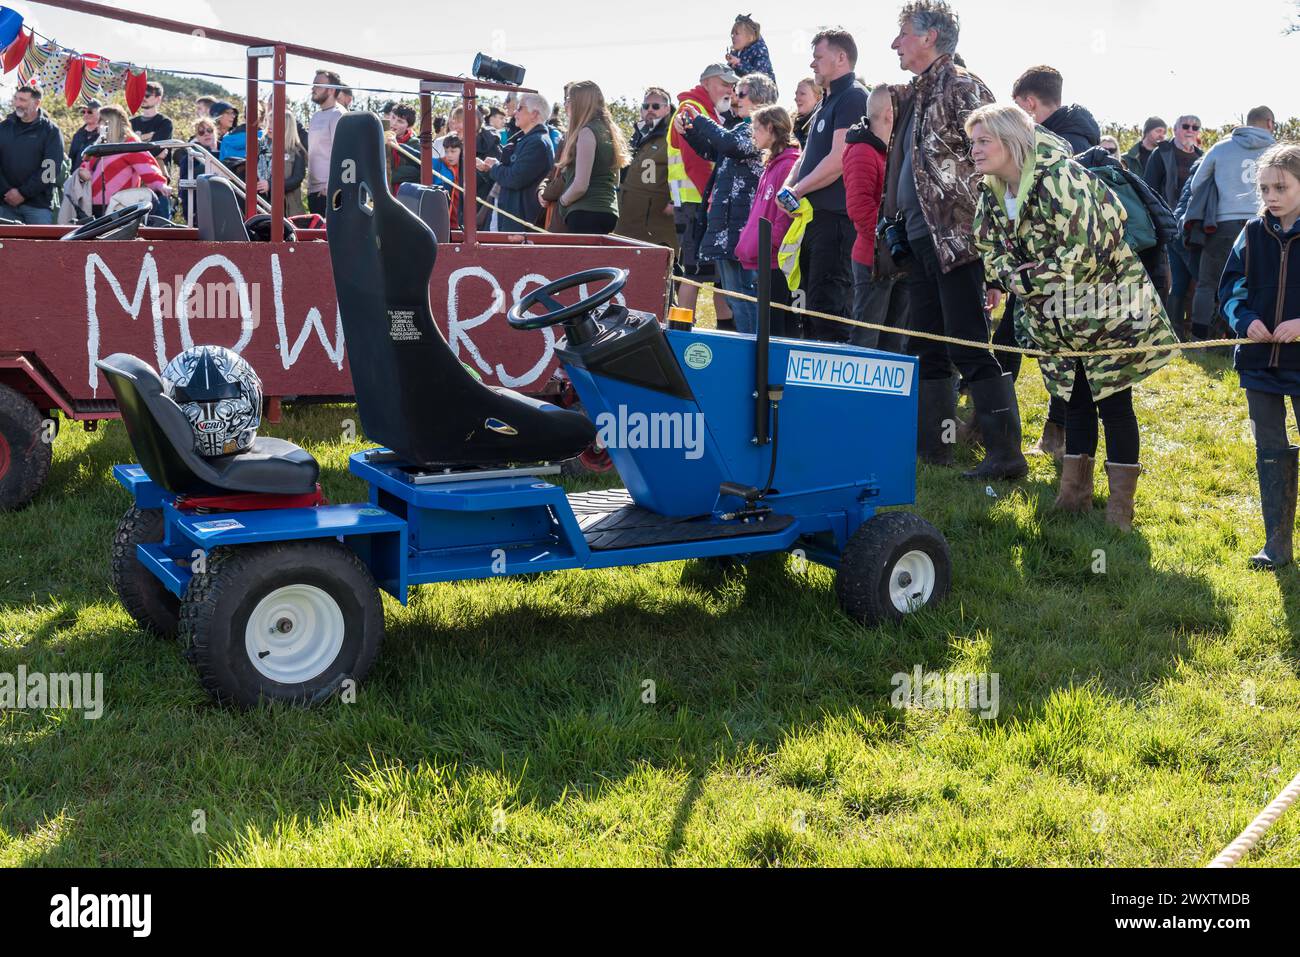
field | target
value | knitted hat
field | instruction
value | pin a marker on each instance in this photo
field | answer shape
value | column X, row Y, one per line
column 1153, row 123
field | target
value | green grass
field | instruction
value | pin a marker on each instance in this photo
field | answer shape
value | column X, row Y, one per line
column 504, row 723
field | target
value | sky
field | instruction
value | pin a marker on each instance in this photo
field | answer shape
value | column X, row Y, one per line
column 1123, row 59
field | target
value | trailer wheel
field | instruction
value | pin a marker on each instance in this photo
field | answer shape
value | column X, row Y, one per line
column 144, row 597
column 24, row 452
column 284, row 622
column 895, row 563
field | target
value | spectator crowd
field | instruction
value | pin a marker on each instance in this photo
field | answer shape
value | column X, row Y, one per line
column 932, row 206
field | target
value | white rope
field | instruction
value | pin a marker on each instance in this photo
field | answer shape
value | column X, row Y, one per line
column 1248, row 838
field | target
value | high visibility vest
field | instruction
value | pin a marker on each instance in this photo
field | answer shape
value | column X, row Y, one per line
column 788, row 255
column 680, row 185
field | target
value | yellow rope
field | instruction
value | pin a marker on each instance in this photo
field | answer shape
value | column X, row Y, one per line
column 911, row 334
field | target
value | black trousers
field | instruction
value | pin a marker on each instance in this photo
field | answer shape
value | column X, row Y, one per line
column 1122, row 443
column 1268, row 417
column 950, row 304
column 590, row 223
column 824, row 263
column 316, row 203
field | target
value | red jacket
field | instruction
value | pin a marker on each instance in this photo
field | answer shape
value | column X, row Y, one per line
column 864, row 188
column 698, row 169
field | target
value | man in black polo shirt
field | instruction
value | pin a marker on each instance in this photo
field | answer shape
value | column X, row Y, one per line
column 818, row 175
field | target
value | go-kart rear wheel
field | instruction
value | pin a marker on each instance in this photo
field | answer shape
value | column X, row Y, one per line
column 144, row 597
column 284, row 622
column 25, row 453
column 895, row 563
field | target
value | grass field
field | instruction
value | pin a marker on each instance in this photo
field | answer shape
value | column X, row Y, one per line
column 1146, row 714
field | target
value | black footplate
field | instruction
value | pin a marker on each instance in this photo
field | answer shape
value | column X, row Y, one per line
column 610, row 520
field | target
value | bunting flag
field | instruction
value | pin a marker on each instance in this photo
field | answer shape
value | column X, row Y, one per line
column 11, row 24
column 15, row 52
column 135, row 89
column 45, row 65
column 72, row 83
column 101, row 81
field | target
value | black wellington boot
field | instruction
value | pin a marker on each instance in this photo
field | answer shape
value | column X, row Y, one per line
column 936, row 420
column 1277, row 495
column 998, row 415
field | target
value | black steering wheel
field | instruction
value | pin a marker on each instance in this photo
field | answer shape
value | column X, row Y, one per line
column 561, row 313
column 109, row 223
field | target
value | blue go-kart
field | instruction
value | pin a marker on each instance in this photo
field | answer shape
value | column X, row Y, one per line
column 731, row 446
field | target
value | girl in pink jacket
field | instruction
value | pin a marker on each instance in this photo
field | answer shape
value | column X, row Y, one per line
column 773, row 132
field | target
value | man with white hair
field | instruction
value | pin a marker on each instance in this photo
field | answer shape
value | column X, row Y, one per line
column 931, row 187
column 524, row 163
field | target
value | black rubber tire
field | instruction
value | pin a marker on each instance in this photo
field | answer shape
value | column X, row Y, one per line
column 218, row 604
column 867, row 565
column 144, row 597
column 24, row 453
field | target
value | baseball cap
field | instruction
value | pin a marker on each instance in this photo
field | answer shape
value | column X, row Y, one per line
column 219, row 107
column 719, row 69
column 92, row 105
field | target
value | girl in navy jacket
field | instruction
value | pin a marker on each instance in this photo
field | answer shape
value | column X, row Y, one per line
column 1260, row 293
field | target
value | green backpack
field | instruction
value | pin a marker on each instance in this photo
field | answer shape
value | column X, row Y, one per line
column 1139, row 229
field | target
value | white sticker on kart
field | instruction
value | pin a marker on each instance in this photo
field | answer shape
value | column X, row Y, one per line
column 220, row 525
column 822, row 370
column 402, row 327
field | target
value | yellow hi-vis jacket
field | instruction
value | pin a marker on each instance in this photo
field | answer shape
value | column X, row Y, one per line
column 680, row 185
column 788, row 255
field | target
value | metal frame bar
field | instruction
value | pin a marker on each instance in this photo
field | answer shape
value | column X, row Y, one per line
column 257, row 47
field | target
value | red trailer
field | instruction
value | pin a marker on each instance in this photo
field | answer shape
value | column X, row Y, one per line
column 63, row 305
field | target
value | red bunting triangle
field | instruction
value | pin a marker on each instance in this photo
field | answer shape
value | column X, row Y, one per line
column 72, row 83
column 15, row 51
column 135, row 89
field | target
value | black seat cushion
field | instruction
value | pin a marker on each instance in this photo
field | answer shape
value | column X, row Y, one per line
column 164, row 443
column 218, row 214
column 413, row 394
column 432, row 206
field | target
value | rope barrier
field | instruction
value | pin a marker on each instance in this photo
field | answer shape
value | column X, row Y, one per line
column 1248, row 838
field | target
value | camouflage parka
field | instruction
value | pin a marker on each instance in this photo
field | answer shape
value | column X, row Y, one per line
column 1083, row 288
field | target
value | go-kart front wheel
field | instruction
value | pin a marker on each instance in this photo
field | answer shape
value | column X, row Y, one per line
column 283, row 622
column 144, row 597
column 895, row 563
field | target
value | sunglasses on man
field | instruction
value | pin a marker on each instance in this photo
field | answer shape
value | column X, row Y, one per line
column 1191, row 127
column 652, row 106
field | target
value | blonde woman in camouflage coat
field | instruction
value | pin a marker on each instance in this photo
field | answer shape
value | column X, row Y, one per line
column 1053, row 235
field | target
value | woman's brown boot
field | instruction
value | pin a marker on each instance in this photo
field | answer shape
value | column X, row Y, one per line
column 1076, row 484
column 1123, row 486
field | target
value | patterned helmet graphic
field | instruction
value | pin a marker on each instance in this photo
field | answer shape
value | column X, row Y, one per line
column 221, row 396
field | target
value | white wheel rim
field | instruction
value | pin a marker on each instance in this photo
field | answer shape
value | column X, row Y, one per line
column 294, row 634
column 911, row 581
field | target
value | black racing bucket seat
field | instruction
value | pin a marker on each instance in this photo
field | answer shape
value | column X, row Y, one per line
column 413, row 394
column 164, row 443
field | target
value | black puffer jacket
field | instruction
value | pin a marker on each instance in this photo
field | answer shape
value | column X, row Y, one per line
column 1076, row 126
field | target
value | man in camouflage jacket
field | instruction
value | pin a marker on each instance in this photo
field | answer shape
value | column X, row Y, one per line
column 930, row 188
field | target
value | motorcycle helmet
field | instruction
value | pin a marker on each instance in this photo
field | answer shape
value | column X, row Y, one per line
column 221, row 396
